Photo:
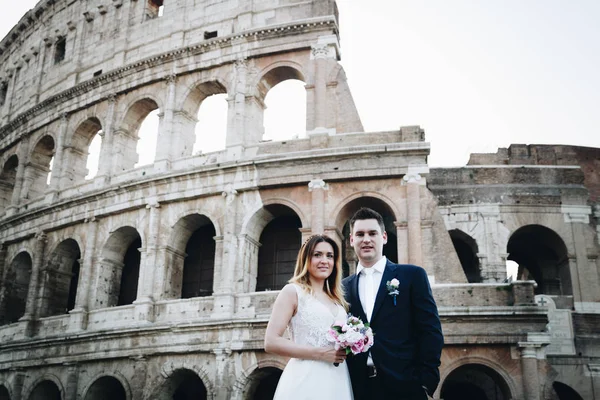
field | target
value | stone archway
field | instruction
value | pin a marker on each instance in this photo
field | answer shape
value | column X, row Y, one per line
column 467, row 249
column 262, row 383
column 182, row 384
column 16, row 286
column 38, row 168
column 45, row 390
column 280, row 242
column 60, row 279
column 106, row 387
column 565, row 392
column 7, row 181
column 192, row 257
column 474, row 382
column 4, row 394
column 542, row 256
column 119, row 268
column 390, row 249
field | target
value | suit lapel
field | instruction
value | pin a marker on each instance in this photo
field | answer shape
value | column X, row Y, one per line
column 388, row 274
column 355, row 305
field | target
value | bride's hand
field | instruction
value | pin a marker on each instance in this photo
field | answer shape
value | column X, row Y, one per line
column 333, row 356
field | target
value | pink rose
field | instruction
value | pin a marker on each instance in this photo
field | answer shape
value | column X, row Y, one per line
column 358, row 347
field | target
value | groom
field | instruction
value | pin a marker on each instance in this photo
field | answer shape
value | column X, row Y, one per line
column 396, row 299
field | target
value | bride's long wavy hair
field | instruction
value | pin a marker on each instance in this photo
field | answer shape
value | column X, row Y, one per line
column 333, row 284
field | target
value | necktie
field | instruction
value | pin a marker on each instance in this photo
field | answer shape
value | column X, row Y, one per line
column 369, row 292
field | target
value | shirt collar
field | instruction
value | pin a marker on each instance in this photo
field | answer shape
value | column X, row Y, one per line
column 379, row 266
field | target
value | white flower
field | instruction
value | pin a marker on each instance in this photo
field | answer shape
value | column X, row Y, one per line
column 394, row 282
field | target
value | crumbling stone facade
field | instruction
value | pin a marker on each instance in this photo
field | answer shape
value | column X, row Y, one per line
column 156, row 282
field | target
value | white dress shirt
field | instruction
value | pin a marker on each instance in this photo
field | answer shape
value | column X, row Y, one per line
column 378, row 269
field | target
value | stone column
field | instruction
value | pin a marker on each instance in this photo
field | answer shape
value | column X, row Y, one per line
column 20, row 176
column 223, row 383
column 72, row 380
column 491, row 254
column 59, row 163
column 584, row 279
column 166, row 135
column 317, row 187
column 107, row 135
column 144, row 303
column 413, row 204
column 236, row 117
column 3, row 271
column 140, row 376
column 529, row 367
column 38, row 257
column 402, row 239
column 226, row 274
column 17, row 384
column 78, row 316
column 323, row 53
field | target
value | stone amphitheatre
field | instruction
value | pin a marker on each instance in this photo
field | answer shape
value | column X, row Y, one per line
column 156, row 282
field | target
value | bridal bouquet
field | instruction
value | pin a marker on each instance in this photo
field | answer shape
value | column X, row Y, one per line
column 352, row 335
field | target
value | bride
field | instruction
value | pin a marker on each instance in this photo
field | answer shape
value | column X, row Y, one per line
column 309, row 305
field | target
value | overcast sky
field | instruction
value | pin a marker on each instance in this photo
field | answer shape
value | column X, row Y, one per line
column 476, row 75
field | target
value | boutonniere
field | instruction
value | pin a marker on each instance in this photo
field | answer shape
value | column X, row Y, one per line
column 392, row 287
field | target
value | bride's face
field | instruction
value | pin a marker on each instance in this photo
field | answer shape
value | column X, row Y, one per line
column 321, row 263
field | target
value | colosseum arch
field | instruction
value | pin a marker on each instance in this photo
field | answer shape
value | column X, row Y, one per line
column 4, row 392
column 48, row 387
column 344, row 212
column 270, row 77
column 467, row 249
column 187, row 135
column 542, row 256
column 280, row 238
column 119, row 268
column 173, row 374
column 38, row 168
column 13, row 293
column 7, row 180
column 258, row 381
column 59, row 279
column 182, row 384
column 476, row 379
column 76, row 159
column 192, row 257
column 113, row 387
column 126, row 137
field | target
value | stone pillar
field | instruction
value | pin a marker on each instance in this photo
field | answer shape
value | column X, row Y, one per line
column 236, row 118
column 248, row 249
column 3, row 271
column 78, row 315
column 38, row 258
column 140, row 376
column 59, row 163
column 226, row 274
column 492, row 262
column 594, row 371
column 20, row 176
column 529, row 367
column 317, row 187
column 323, row 54
column 584, row 279
column 413, row 204
column 17, row 385
column 166, row 135
column 145, row 300
column 402, row 239
column 72, row 380
column 223, row 383
column 104, row 167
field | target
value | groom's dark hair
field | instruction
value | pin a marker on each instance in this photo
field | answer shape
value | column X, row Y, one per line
column 367, row 213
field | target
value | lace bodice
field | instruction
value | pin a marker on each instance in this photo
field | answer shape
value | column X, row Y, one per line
column 312, row 320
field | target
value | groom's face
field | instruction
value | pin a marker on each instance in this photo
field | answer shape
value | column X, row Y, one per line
column 367, row 239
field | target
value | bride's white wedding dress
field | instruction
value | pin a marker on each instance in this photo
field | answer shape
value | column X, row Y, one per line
column 309, row 379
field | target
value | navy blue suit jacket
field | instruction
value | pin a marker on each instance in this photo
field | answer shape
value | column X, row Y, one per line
column 408, row 336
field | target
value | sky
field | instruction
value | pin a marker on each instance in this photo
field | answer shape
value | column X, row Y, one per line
column 475, row 75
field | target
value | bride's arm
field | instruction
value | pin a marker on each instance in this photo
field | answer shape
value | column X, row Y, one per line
column 284, row 308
